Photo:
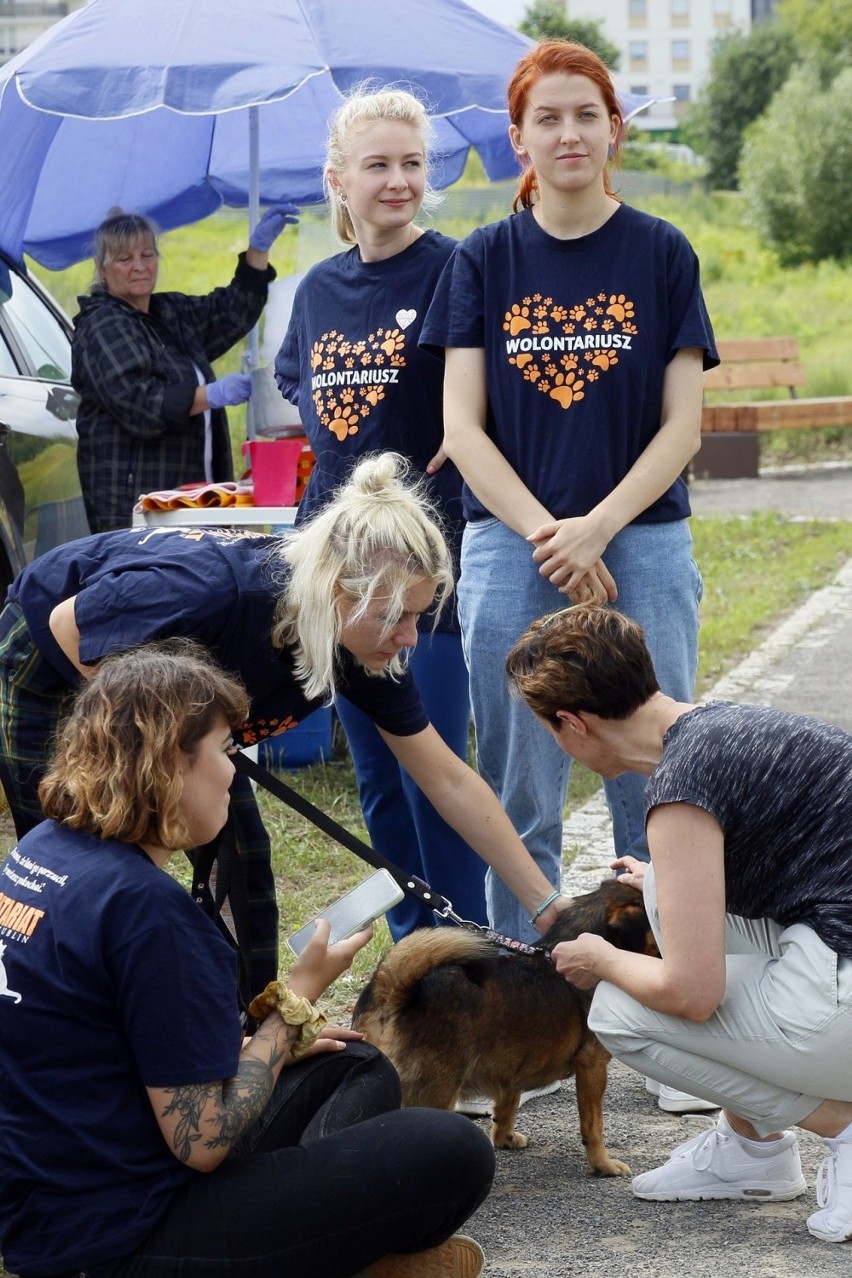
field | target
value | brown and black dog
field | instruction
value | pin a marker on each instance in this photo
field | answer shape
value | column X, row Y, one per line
column 459, row 1017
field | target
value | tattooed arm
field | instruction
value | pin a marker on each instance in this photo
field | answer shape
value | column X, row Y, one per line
column 201, row 1122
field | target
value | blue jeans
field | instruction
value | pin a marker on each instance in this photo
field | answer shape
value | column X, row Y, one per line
column 500, row 592
column 403, row 825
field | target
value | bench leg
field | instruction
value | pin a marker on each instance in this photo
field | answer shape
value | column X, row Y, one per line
column 728, row 455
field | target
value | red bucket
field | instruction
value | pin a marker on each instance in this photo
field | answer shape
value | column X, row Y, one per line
column 274, row 469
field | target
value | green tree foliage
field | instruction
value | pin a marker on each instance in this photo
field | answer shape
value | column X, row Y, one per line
column 546, row 20
column 794, row 166
column 745, row 71
column 821, row 29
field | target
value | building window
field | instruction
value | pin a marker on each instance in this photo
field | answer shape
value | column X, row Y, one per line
column 638, row 52
column 638, row 13
column 680, row 13
column 682, row 92
column 641, row 90
column 723, row 13
column 680, row 55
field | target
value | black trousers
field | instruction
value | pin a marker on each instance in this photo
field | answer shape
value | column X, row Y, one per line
column 332, row 1177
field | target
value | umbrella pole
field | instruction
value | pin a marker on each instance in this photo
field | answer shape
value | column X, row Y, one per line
column 252, row 353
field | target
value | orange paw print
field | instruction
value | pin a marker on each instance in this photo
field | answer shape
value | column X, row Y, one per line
column 516, row 319
column 316, row 355
column 577, row 312
column 374, row 395
column 532, row 374
column 567, row 389
column 619, row 307
column 604, row 360
column 559, row 314
column 394, row 341
column 521, row 361
column 344, row 423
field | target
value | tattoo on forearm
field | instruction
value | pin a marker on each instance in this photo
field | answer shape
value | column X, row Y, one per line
column 225, row 1110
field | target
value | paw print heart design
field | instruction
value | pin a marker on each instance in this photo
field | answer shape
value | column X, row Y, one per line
column 568, row 347
column 350, row 377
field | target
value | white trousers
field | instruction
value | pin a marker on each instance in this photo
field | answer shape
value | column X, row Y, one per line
column 779, row 1043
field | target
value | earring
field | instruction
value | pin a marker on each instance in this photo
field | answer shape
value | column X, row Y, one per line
column 342, row 198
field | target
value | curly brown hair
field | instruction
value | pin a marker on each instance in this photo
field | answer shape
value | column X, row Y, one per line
column 115, row 770
column 584, row 658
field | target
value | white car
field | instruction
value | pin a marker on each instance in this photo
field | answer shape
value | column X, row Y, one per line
column 40, row 502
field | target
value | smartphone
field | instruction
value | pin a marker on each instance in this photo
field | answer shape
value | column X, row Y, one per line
column 353, row 911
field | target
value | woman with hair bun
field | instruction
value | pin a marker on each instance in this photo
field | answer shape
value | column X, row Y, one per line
column 575, row 336
column 350, row 360
column 326, row 613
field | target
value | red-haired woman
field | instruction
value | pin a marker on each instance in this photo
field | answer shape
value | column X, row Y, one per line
column 575, row 336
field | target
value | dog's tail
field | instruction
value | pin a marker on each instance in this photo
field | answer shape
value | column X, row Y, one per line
column 411, row 959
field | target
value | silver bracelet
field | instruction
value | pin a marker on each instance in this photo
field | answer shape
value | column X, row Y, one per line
column 547, row 901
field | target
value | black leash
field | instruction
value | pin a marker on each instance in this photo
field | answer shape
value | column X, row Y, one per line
column 409, row 883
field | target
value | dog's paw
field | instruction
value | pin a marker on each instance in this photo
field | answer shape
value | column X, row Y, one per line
column 508, row 1140
column 607, row 1166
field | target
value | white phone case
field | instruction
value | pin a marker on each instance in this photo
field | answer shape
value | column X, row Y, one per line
column 353, row 911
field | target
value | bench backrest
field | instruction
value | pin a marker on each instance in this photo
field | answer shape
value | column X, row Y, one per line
column 756, row 363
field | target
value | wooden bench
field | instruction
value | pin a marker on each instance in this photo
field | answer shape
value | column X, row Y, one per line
column 730, row 431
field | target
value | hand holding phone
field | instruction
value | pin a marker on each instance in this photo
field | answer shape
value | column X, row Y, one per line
column 354, row 911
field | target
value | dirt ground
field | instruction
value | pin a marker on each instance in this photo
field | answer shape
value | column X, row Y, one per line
column 547, row 1217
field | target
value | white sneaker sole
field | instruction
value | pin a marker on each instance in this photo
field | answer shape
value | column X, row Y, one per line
column 763, row 1193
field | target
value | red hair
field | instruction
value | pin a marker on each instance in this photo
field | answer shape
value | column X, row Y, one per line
column 555, row 57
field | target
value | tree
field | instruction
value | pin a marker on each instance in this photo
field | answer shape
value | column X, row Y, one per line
column 794, row 165
column 546, row 20
column 746, row 70
column 821, row 29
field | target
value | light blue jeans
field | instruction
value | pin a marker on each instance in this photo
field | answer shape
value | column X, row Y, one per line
column 500, row 592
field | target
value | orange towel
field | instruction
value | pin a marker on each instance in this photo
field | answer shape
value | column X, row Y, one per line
column 197, row 496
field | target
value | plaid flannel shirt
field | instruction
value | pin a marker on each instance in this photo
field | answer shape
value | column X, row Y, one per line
column 136, row 376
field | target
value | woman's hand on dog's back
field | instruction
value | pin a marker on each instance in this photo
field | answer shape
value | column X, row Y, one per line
column 630, row 871
column 580, row 961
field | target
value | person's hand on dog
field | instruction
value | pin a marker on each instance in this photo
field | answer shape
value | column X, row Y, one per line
column 549, row 916
column 320, row 963
column 580, row 961
column 630, row 871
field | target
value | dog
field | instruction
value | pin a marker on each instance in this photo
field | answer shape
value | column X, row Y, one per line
column 458, row 1016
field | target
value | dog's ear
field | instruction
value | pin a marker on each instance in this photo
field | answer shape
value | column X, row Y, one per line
column 628, row 927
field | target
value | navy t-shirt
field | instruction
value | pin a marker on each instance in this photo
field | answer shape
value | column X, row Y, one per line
column 577, row 336
column 780, row 787
column 218, row 586
column 113, row 981
column 350, row 359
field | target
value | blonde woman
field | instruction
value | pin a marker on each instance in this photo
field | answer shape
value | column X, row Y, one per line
column 327, row 613
column 351, row 361
column 139, row 1134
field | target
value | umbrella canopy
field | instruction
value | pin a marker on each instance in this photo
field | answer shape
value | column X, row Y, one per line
column 174, row 107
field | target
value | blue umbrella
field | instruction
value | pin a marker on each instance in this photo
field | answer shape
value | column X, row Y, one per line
column 175, row 107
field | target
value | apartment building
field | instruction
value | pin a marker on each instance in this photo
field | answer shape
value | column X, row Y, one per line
column 665, row 45
column 21, row 21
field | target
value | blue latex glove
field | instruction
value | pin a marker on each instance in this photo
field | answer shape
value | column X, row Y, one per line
column 233, row 388
column 271, row 225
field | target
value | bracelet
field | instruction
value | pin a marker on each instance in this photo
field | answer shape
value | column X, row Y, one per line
column 293, row 1010
column 548, row 900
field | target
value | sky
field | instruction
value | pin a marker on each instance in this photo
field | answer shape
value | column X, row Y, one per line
column 509, row 12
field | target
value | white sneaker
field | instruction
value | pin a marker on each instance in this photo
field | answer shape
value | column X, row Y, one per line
column 481, row 1106
column 715, row 1164
column 834, row 1195
column 675, row 1102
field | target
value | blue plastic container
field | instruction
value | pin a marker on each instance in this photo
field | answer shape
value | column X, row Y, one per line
column 309, row 742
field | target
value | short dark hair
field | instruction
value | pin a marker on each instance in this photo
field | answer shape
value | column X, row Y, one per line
column 586, row 658
column 115, row 772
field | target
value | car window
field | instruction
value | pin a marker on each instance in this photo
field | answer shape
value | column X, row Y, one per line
column 8, row 367
column 37, row 330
